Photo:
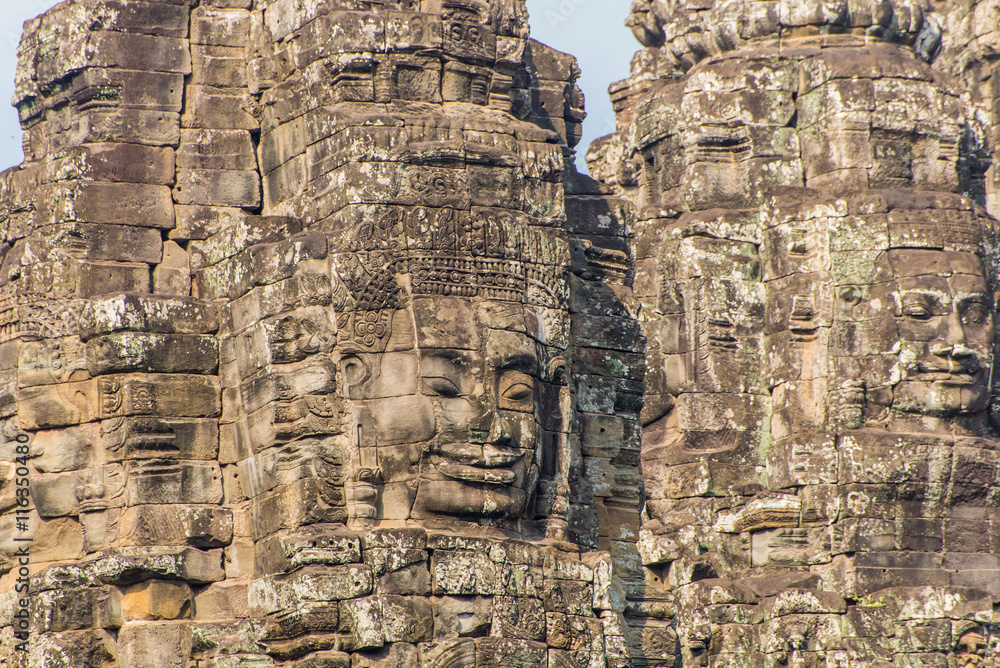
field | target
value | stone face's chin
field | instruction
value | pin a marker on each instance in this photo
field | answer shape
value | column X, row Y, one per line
column 463, row 499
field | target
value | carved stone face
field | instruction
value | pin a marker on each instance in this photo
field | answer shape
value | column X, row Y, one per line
column 450, row 413
column 481, row 457
column 944, row 315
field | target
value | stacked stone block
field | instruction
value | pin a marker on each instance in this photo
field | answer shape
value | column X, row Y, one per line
column 217, row 167
column 318, row 351
column 116, row 370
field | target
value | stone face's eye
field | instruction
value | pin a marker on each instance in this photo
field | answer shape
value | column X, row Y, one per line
column 444, row 376
column 917, row 307
column 917, row 312
column 975, row 314
column 517, row 391
column 441, row 386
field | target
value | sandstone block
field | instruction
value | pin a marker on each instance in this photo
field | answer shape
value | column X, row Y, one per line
column 216, row 149
column 173, row 276
column 218, row 187
column 49, row 406
column 297, row 504
column 131, row 564
column 133, row 89
column 152, row 353
column 152, row 437
column 510, row 653
column 130, row 163
column 167, row 20
column 282, row 144
column 231, row 278
column 118, row 243
column 312, row 583
column 77, row 609
column 147, row 313
column 223, row 600
column 388, row 559
column 210, row 107
column 240, row 235
column 170, row 395
column 220, row 26
column 362, row 622
column 131, row 51
column 312, row 377
column 133, row 126
column 163, row 645
column 57, row 539
column 68, row 449
column 159, row 482
column 157, row 599
column 61, row 494
column 286, row 181
column 201, row 222
column 93, row 647
column 412, row 580
column 198, row 526
column 49, row 362
column 568, row 597
column 101, row 278
column 462, row 573
column 218, row 66
column 518, row 617
column 110, row 203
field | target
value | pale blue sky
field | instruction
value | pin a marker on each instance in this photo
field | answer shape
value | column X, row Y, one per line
column 592, row 30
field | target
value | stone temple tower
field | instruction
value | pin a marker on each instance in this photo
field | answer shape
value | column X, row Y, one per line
column 816, row 263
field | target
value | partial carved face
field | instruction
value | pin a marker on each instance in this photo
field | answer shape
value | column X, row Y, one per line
column 944, row 315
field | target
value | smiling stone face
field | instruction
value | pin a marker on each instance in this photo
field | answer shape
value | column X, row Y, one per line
column 944, row 316
column 482, row 455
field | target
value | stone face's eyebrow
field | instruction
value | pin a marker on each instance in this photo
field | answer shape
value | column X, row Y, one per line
column 442, row 365
column 523, row 361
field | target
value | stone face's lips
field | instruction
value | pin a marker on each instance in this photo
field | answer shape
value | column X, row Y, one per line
column 487, row 457
column 935, row 374
column 958, row 378
column 495, row 476
column 490, row 464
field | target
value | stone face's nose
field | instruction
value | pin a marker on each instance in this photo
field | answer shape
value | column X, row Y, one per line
column 963, row 359
column 500, row 432
column 955, row 333
column 490, row 426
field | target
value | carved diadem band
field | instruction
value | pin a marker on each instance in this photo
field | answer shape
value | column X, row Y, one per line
column 960, row 235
